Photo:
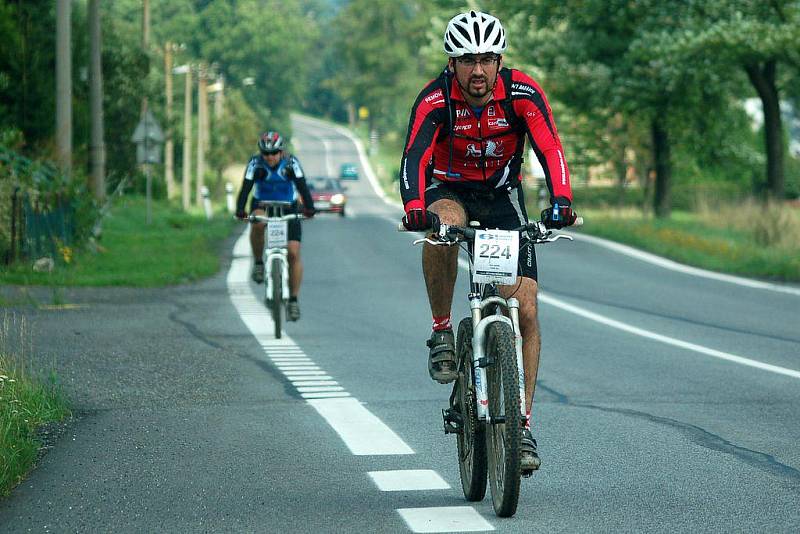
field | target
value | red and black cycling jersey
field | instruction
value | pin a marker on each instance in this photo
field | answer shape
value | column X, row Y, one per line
column 447, row 142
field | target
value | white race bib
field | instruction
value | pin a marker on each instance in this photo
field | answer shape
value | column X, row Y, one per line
column 277, row 234
column 495, row 257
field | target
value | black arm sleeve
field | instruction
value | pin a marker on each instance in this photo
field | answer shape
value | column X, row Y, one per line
column 241, row 200
column 302, row 188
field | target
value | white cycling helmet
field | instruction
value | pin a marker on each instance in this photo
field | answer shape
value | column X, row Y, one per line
column 474, row 33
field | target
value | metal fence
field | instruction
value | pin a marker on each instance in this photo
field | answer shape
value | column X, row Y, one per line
column 40, row 227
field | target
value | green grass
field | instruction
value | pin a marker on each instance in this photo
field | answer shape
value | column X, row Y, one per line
column 175, row 248
column 26, row 403
column 729, row 240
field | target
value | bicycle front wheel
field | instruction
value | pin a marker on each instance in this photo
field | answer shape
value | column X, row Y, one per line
column 277, row 295
column 472, row 439
column 504, row 432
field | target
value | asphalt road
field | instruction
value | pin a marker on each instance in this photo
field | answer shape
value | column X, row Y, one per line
column 667, row 401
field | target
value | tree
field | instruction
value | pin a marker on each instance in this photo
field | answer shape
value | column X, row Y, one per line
column 757, row 37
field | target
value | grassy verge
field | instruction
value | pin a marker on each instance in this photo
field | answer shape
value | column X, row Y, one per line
column 26, row 403
column 175, row 248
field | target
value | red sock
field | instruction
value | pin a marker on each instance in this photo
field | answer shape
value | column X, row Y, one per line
column 441, row 323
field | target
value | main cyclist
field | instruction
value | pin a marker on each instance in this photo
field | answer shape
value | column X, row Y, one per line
column 462, row 162
column 277, row 178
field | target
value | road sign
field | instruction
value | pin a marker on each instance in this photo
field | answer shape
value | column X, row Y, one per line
column 148, row 137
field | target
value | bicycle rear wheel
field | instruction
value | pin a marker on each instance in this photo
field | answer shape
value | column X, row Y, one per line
column 504, row 432
column 472, row 439
column 277, row 295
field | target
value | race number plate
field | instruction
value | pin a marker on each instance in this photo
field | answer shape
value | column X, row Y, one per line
column 277, row 234
column 495, row 257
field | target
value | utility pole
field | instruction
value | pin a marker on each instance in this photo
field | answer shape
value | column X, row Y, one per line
column 220, row 97
column 202, row 113
column 169, row 148
column 64, row 85
column 146, row 44
column 186, row 185
column 97, row 147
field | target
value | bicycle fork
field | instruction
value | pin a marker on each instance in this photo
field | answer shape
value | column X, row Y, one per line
column 270, row 255
column 477, row 307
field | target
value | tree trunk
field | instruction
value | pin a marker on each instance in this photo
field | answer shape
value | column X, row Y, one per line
column 662, row 202
column 97, row 147
column 763, row 79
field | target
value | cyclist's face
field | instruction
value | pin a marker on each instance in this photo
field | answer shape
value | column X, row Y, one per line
column 476, row 74
column 272, row 158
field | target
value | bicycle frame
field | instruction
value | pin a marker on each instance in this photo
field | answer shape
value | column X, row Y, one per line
column 275, row 213
column 508, row 312
column 478, row 307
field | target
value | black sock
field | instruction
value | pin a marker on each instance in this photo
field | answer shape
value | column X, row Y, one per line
column 292, row 299
column 259, row 262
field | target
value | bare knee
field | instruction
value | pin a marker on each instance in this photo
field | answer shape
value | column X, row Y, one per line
column 449, row 212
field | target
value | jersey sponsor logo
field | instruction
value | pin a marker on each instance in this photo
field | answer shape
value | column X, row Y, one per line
column 523, row 87
column 433, row 96
column 460, row 113
column 496, row 124
column 462, row 127
column 493, row 150
column 490, row 111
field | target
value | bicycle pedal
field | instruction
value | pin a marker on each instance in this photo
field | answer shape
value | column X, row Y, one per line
column 453, row 422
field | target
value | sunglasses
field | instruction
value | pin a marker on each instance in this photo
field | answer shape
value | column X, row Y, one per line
column 270, row 152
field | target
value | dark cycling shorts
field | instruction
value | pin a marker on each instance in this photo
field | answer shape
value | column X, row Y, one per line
column 493, row 209
column 295, row 230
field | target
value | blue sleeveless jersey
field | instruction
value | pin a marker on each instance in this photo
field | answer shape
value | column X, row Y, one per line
column 273, row 184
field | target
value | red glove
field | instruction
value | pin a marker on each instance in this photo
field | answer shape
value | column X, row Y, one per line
column 309, row 213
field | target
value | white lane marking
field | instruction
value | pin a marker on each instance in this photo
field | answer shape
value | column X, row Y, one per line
column 675, row 266
column 444, row 519
column 408, row 480
column 327, row 395
column 669, row 340
column 362, row 432
column 547, row 299
column 686, row 269
column 297, row 383
column 360, row 429
column 318, row 389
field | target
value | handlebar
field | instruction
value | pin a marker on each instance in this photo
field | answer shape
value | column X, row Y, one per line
column 533, row 232
column 252, row 218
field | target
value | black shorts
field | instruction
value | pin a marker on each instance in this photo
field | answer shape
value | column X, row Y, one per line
column 493, row 209
column 295, row 230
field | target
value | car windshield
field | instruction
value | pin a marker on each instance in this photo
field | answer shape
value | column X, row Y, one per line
column 324, row 184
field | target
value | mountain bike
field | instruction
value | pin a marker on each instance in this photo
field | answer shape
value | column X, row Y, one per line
column 487, row 403
column 276, row 262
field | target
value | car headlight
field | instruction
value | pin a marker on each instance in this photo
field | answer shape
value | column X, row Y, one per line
column 338, row 198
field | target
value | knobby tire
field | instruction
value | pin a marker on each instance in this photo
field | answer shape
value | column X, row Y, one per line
column 277, row 295
column 472, row 463
column 503, row 439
